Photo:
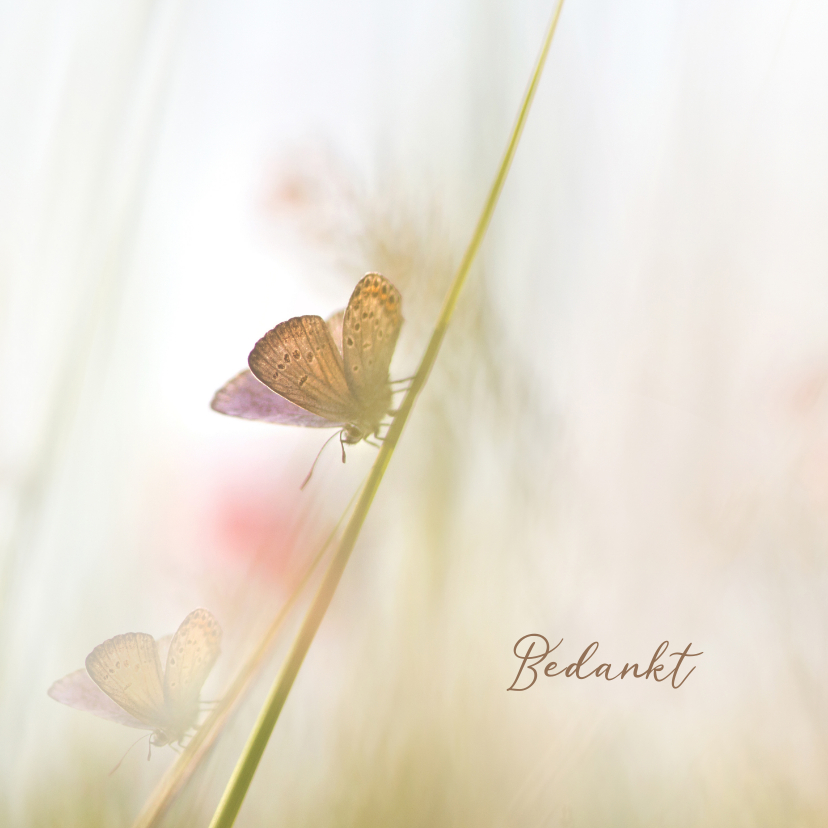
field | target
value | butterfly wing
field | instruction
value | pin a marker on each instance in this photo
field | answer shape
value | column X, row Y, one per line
column 299, row 360
column 370, row 329
column 128, row 670
column 163, row 646
column 334, row 323
column 244, row 396
column 79, row 691
column 193, row 652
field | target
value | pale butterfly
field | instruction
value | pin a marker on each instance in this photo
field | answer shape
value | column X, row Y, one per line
column 123, row 680
column 321, row 374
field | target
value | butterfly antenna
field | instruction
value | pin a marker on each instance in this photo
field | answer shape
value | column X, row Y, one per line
column 305, row 481
column 395, row 382
column 127, row 751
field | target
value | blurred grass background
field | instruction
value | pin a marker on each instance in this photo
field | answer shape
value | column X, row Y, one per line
column 624, row 440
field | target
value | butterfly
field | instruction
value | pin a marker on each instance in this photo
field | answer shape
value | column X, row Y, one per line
column 123, row 681
column 319, row 374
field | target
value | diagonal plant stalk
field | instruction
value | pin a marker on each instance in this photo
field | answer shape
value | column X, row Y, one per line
column 199, row 747
column 233, row 797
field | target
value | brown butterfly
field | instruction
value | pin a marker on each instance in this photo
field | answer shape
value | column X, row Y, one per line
column 125, row 683
column 321, row 374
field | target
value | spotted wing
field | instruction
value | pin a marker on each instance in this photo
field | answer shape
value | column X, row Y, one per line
column 193, row 652
column 244, row 396
column 79, row 691
column 370, row 329
column 299, row 360
column 128, row 670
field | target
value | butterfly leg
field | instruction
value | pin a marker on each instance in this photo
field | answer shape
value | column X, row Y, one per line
column 342, row 443
column 402, row 389
column 377, row 434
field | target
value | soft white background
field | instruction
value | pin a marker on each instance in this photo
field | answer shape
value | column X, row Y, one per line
column 650, row 461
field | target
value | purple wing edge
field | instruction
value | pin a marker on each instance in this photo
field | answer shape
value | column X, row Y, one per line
column 79, row 691
column 244, row 396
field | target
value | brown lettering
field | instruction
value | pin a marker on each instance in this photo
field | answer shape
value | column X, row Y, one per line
column 527, row 656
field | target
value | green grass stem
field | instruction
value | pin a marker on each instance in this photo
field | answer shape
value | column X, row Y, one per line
column 242, row 776
column 199, row 747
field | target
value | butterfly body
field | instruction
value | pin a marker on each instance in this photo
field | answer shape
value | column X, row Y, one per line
column 124, row 681
column 344, row 382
